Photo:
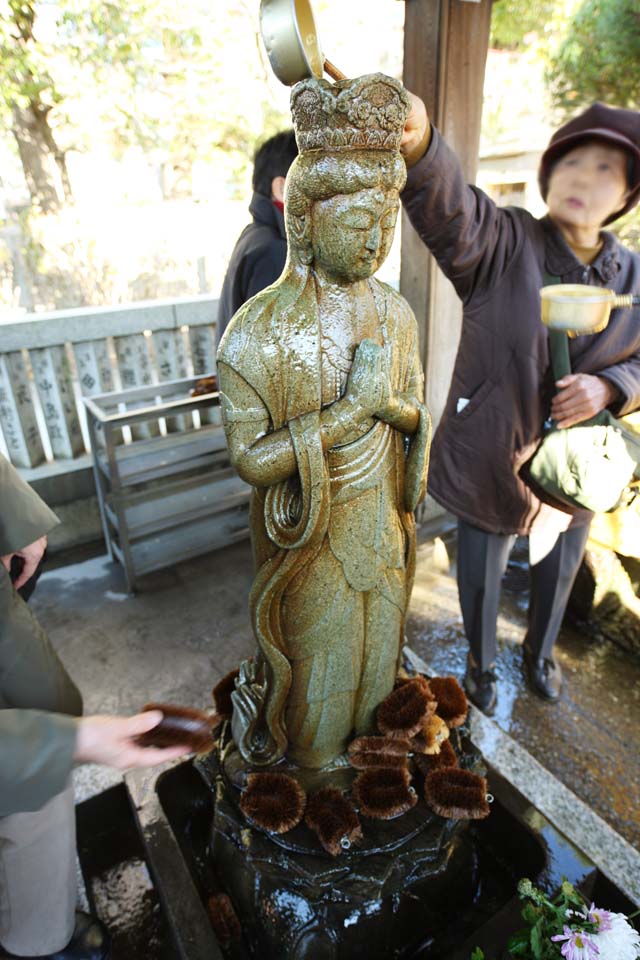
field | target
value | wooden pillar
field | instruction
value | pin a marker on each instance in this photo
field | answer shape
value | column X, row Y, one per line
column 445, row 50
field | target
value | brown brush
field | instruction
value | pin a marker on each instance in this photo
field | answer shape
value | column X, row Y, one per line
column 223, row 917
column 384, row 793
column 367, row 752
column 404, row 711
column 436, row 761
column 452, row 701
column 180, row 727
column 332, row 818
column 403, row 677
column 203, row 386
column 457, row 794
column 433, row 734
column 273, row 801
column 221, row 694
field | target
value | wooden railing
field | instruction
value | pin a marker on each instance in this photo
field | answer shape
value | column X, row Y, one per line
column 49, row 361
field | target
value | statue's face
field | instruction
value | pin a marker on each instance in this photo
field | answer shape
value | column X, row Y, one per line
column 351, row 234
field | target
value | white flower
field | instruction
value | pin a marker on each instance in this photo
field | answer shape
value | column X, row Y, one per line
column 619, row 940
column 580, row 914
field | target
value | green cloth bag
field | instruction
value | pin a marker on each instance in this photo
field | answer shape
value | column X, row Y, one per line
column 589, row 465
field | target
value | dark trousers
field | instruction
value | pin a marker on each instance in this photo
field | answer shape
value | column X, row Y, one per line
column 482, row 561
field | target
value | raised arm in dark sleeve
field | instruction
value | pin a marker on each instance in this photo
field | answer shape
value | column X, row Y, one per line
column 473, row 240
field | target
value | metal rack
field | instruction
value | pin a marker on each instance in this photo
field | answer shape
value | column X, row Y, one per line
column 166, row 488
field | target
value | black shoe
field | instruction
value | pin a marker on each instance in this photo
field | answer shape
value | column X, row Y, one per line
column 90, row 941
column 480, row 687
column 543, row 674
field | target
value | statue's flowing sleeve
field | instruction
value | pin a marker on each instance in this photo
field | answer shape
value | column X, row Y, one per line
column 420, row 442
column 418, row 461
column 295, row 515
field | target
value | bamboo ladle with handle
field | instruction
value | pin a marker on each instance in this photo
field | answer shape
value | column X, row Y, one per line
column 291, row 40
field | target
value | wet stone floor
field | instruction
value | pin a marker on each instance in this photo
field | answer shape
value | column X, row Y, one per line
column 590, row 738
column 188, row 626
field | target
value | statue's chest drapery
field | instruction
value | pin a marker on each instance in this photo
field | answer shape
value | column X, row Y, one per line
column 366, row 530
column 366, row 471
column 335, row 362
column 344, row 323
column 305, row 353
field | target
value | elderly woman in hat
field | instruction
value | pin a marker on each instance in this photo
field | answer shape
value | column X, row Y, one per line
column 502, row 389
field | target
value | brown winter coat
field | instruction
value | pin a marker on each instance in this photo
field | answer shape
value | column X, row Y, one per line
column 496, row 259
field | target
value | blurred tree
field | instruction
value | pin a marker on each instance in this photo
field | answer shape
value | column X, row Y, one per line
column 134, row 72
column 161, row 71
column 514, row 21
column 598, row 57
column 27, row 95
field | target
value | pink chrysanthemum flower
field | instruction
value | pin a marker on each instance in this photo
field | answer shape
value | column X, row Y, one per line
column 603, row 919
column 577, row 945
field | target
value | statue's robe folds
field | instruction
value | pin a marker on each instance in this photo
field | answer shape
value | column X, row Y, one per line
column 334, row 545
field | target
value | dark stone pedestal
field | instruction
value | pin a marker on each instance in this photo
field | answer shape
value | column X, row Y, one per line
column 401, row 886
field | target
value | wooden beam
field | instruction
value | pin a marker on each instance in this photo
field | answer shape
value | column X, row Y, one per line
column 445, row 50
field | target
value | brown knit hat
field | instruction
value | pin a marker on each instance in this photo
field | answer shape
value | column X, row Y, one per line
column 620, row 128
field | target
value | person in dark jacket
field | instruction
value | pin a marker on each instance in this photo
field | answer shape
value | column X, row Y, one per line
column 42, row 736
column 259, row 255
column 502, row 390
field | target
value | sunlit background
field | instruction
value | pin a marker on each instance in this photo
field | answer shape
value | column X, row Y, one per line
column 156, row 106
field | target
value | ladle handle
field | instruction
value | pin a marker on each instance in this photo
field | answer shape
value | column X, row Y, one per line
column 626, row 300
column 560, row 360
column 333, row 72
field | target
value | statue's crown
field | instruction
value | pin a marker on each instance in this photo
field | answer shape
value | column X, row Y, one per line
column 366, row 113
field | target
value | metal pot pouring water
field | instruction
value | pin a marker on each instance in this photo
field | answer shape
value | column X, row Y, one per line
column 291, row 40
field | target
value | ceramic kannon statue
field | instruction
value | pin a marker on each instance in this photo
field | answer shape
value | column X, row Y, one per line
column 322, row 400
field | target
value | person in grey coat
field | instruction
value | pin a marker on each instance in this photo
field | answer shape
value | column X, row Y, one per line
column 42, row 736
column 260, row 252
column 502, row 389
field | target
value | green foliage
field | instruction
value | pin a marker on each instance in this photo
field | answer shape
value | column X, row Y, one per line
column 513, row 21
column 143, row 73
column 598, row 57
column 24, row 67
column 544, row 918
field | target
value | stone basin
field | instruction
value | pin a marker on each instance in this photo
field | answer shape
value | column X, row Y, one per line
column 477, row 905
